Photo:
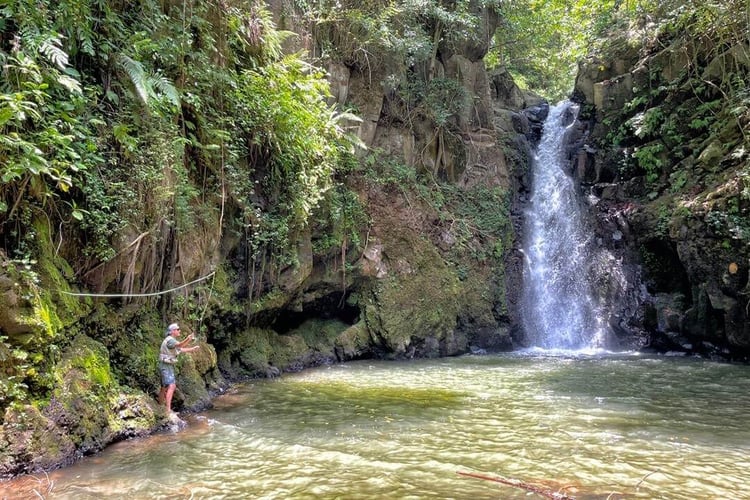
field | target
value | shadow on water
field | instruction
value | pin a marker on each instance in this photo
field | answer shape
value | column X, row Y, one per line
column 327, row 405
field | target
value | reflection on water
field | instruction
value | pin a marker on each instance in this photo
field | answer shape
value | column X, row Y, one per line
column 588, row 426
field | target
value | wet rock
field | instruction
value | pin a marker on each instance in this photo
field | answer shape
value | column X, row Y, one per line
column 173, row 422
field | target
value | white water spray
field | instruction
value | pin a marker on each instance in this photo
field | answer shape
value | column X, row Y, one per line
column 560, row 308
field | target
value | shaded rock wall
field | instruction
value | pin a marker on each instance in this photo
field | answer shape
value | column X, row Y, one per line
column 415, row 283
column 670, row 179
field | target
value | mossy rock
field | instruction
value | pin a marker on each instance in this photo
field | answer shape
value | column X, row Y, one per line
column 132, row 336
column 320, row 334
column 204, row 359
column 191, row 389
column 289, row 352
column 17, row 318
column 88, row 402
column 31, row 442
column 248, row 353
column 28, row 308
column 481, row 293
column 354, row 342
column 36, row 324
column 87, row 410
column 258, row 352
column 419, row 299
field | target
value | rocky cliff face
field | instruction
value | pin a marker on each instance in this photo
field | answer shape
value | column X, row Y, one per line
column 437, row 273
column 665, row 162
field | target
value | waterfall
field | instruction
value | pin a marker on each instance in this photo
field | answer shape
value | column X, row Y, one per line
column 560, row 309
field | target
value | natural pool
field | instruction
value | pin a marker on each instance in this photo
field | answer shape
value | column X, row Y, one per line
column 588, row 426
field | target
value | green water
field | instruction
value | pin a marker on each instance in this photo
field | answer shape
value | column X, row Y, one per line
column 589, row 427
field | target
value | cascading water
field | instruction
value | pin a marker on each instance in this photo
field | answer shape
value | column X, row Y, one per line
column 560, row 309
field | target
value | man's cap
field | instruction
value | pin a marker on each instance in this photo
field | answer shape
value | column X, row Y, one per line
column 173, row 326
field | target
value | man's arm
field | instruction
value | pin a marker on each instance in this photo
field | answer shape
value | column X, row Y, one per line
column 185, row 342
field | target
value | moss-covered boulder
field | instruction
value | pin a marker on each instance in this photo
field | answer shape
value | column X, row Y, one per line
column 30, row 442
column 90, row 403
column 264, row 352
column 412, row 310
column 37, row 319
column 259, row 352
column 198, row 377
column 87, row 410
column 485, row 308
column 353, row 342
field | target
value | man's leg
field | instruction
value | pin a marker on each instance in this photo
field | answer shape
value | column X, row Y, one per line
column 170, row 392
column 167, row 386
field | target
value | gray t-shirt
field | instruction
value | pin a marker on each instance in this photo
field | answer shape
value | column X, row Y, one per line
column 168, row 351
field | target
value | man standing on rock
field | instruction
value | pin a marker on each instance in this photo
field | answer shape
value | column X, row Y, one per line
column 170, row 349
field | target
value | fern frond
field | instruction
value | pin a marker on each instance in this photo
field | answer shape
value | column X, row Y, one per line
column 50, row 48
column 345, row 116
column 167, row 88
column 29, row 36
column 137, row 75
column 70, row 83
column 87, row 44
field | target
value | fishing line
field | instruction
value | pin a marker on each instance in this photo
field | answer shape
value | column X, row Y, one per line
column 152, row 294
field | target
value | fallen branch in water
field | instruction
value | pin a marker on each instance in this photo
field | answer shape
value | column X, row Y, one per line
column 546, row 493
column 645, row 477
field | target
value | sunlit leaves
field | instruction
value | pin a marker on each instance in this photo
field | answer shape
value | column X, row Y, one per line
column 70, row 83
column 289, row 123
column 37, row 138
column 543, row 40
column 253, row 36
column 294, row 141
column 51, row 49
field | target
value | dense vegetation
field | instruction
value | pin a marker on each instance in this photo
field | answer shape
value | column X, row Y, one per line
column 541, row 42
column 127, row 132
column 92, row 88
column 683, row 126
column 681, row 106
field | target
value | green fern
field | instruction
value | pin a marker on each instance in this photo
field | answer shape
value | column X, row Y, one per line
column 148, row 87
column 70, row 83
column 137, row 75
column 163, row 85
column 50, row 48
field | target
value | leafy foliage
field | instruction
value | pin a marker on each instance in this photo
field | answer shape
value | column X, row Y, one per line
column 289, row 135
column 690, row 110
column 91, row 94
column 541, row 42
column 398, row 34
column 148, row 87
